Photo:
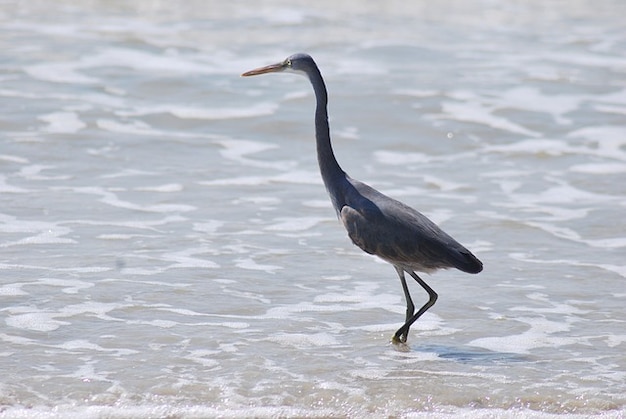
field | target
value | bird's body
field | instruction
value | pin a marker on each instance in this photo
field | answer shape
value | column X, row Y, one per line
column 376, row 223
column 400, row 235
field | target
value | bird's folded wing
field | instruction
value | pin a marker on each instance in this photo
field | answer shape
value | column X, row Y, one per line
column 377, row 235
column 358, row 229
column 420, row 246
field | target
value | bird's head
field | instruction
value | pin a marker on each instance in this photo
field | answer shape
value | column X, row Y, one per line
column 299, row 63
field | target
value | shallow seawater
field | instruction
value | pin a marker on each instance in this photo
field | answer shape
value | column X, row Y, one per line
column 167, row 248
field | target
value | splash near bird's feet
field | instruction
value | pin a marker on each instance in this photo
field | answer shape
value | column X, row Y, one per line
column 399, row 345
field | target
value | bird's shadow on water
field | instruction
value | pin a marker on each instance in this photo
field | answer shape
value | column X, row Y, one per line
column 471, row 355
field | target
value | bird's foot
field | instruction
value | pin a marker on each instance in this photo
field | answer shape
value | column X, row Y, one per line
column 399, row 344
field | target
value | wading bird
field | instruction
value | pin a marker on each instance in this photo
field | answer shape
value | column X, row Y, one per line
column 379, row 225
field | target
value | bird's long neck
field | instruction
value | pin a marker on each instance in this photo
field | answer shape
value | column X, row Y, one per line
column 332, row 174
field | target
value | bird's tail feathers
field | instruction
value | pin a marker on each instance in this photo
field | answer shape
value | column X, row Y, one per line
column 469, row 263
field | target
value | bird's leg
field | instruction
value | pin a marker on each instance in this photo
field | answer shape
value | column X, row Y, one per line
column 410, row 307
column 403, row 332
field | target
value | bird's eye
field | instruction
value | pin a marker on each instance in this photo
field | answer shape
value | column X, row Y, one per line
column 288, row 62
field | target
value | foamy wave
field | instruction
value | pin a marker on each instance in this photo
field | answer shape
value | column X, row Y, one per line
column 237, row 151
column 248, row 263
column 62, row 122
column 295, row 224
column 479, row 114
column 6, row 188
column 112, row 199
column 205, row 113
column 44, row 232
column 298, row 177
column 301, row 340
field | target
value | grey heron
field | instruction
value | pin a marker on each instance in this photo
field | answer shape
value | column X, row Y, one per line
column 376, row 223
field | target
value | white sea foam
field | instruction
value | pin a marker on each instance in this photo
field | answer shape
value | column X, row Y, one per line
column 556, row 308
column 44, row 232
column 63, row 122
column 362, row 297
column 541, row 333
column 141, row 224
column 203, row 357
column 531, row 99
column 479, row 113
column 13, row 159
column 150, row 410
column 248, row 263
column 259, row 200
column 442, row 184
column 248, row 295
column 183, row 311
column 168, row 187
column 297, row 177
column 390, row 157
column 18, row 340
column 316, row 203
column 559, row 194
column 33, row 172
column 185, row 258
column 37, row 321
column 110, row 198
column 12, row 290
column 69, row 286
column 134, row 127
column 210, row 226
column 119, row 236
column 539, row 146
column 419, row 93
column 595, row 60
column 6, row 188
column 81, row 344
column 237, row 150
column 599, row 168
column 144, row 61
column 301, row 340
column 608, row 140
column 621, row 110
column 352, row 67
column 59, row 72
column 350, row 133
column 204, row 113
column 139, row 61
column 609, row 243
column 295, row 223
column 285, row 15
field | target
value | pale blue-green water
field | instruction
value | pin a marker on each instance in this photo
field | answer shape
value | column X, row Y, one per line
column 167, row 248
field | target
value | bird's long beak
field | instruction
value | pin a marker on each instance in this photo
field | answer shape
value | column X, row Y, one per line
column 272, row 68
